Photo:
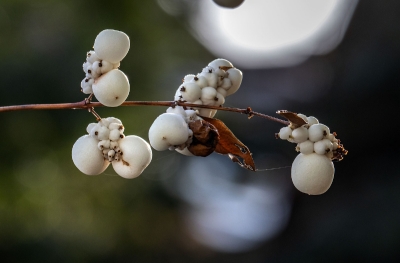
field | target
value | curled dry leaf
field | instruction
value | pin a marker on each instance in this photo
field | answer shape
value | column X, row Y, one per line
column 205, row 138
column 295, row 120
column 232, row 146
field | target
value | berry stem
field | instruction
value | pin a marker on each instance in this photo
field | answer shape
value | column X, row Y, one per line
column 89, row 105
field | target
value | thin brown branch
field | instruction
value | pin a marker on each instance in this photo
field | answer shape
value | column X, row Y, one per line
column 84, row 105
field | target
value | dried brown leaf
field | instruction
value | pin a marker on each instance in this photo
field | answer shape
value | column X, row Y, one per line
column 205, row 138
column 293, row 118
column 232, row 146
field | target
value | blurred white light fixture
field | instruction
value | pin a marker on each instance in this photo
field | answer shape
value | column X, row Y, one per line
column 272, row 33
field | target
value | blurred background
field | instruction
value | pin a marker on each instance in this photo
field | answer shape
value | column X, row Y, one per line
column 336, row 60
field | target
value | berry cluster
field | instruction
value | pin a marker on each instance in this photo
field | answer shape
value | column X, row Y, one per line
column 174, row 130
column 109, row 85
column 106, row 144
column 108, row 131
column 210, row 87
column 313, row 170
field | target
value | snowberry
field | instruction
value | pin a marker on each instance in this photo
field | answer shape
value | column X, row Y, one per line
column 210, row 75
column 322, row 147
column 112, row 88
column 92, row 57
column 219, row 99
column 208, row 94
column 306, row 147
column 235, row 76
column 312, row 173
column 114, row 135
column 188, row 78
column 103, row 133
column 113, row 120
column 87, row 157
column 103, row 144
column 285, row 133
column 226, row 83
column 111, row 45
column 317, row 132
column 201, row 81
column 300, row 134
column 311, row 120
column 220, row 62
column 136, row 157
column 90, row 127
column 168, row 130
column 86, row 85
column 113, row 145
column 116, row 126
column 190, row 91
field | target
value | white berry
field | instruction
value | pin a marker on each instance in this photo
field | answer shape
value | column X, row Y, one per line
column 300, row 134
column 111, row 45
column 317, row 131
column 168, row 130
column 312, row 173
column 322, row 147
column 306, row 147
column 135, row 158
column 285, row 133
column 112, row 88
column 87, row 157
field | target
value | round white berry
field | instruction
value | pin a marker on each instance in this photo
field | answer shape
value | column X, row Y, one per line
column 115, row 135
column 201, row 81
column 90, row 127
column 285, row 133
column 226, row 83
column 311, row 120
column 208, row 93
column 113, row 120
column 111, row 45
column 188, row 78
column 168, row 130
column 317, row 131
column 322, row 147
column 104, row 144
column 103, row 133
column 92, row 57
column 300, row 134
column 190, row 91
column 136, row 156
column 219, row 99
column 312, row 173
column 112, row 88
column 210, row 75
column 220, row 62
column 87, row 157
column 235, row 77
column 306, row 147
